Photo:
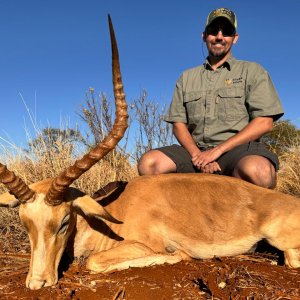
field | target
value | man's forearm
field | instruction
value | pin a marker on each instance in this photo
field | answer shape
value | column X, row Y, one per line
column 253, row 131
column 185, row 138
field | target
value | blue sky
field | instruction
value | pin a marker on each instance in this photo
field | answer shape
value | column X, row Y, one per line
column 53, row 51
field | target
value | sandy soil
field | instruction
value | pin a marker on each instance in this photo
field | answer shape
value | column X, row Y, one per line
column 257, row 276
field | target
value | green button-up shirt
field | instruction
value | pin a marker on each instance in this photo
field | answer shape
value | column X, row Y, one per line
column 216, row 105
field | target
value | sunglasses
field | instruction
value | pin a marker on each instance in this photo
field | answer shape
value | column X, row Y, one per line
column 226, row 30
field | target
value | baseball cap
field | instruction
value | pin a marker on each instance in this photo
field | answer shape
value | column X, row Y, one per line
column 222, row 12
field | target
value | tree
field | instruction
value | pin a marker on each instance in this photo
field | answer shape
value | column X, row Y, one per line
column 97, row 115
column 55, row 139
column 152, row 130
column 145, row 118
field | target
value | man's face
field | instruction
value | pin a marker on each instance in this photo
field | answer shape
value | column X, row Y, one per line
column 219, row 38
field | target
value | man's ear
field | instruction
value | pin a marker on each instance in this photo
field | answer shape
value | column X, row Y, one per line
column 236, row 37
column 204, row 36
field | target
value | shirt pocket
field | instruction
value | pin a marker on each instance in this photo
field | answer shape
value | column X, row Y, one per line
column 230, row 104
column 194, row 103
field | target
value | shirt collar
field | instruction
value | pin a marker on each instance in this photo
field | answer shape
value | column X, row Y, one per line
column 227, row 64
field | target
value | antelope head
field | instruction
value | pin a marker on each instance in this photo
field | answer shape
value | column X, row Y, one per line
column 48, row 208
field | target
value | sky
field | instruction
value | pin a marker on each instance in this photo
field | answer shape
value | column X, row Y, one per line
column 52, row 52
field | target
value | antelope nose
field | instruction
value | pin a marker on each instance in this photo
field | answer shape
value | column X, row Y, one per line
column 35, row 284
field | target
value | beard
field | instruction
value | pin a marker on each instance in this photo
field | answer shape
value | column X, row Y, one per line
column 218, row 53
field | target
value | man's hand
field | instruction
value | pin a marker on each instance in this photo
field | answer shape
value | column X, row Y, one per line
column 211, row 168
column 206, row 160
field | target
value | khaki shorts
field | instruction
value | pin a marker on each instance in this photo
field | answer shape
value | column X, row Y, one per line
column 227, row 161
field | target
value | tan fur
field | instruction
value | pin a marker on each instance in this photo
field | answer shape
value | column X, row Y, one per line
column 202, row 215
column 166, row 218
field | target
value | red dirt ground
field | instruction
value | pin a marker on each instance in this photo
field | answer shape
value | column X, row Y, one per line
column 256, row 276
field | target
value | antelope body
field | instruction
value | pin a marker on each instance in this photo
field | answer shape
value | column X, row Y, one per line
column 155, row 220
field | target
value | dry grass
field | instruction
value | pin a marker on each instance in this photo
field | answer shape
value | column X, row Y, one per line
column 289, row 173
column 13, row 237
column 49, row 154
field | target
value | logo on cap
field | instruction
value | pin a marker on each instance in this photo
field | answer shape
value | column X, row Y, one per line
column 222, row 12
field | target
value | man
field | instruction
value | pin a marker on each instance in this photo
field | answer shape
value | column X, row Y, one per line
column 219, row 111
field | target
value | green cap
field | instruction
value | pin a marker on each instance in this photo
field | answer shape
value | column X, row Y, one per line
column 222, row 12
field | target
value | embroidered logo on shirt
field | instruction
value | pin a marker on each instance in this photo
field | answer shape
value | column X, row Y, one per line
column 237, row 80
column 232, row 81
column 228, row 82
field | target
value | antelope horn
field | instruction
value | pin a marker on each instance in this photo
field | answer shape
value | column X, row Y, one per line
column 15, row 185
column 66, row 178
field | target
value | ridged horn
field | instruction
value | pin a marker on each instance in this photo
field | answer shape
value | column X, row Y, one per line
column 15, row 185
column 66, row 178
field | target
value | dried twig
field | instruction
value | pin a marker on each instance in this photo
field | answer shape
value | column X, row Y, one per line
column 120, row 294
column 15, row 255
column 11, row 274
column 76, row 285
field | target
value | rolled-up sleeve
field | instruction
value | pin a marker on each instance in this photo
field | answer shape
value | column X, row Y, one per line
column 261, row 98
column 177, row 111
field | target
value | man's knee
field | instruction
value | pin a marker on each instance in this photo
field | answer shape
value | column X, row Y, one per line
column 147, row 163
column 155, row 162
column 257, row 170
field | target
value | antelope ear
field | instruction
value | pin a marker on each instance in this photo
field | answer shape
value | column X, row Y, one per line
column 93, row 209
column 8, row 200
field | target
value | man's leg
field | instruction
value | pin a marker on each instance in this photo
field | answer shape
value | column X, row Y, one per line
column 169, row 159
column 155, row 162
column 257, row 170
column 251, row 162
